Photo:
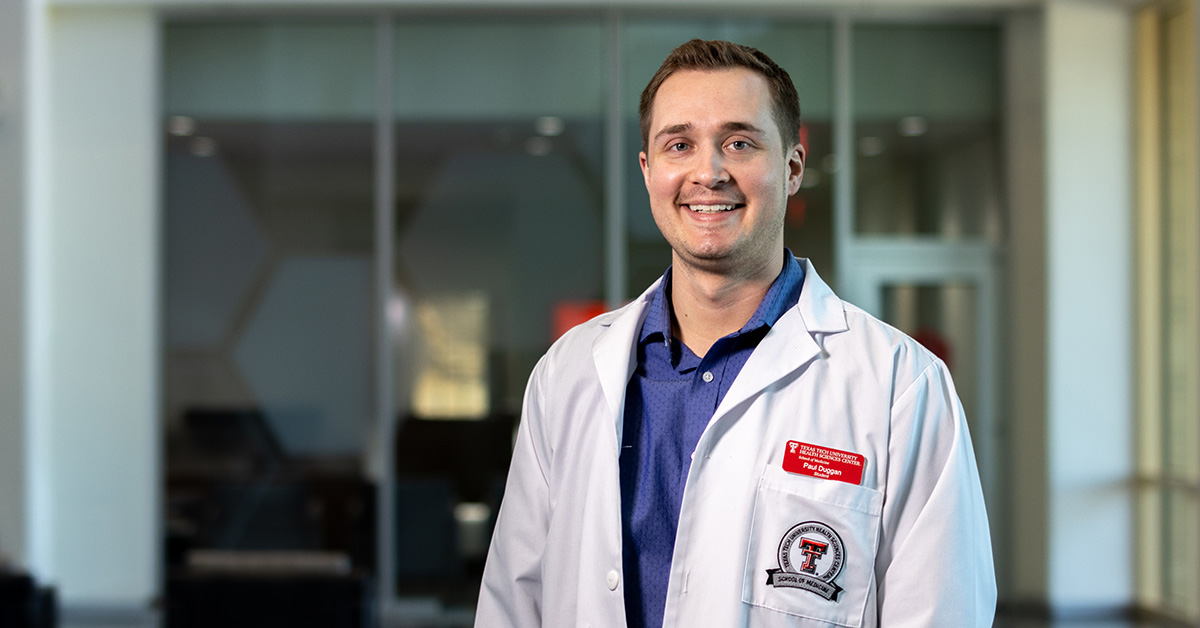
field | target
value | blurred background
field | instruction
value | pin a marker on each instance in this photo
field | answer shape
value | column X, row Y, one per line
column 273, row 275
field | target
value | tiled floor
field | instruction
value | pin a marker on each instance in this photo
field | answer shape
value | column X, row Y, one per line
column 108, row 622
column 150, row 621
column 999, row 624
column 1002, row 622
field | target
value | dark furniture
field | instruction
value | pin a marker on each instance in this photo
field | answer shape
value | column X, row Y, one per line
column 198, row 600
column 23, row 604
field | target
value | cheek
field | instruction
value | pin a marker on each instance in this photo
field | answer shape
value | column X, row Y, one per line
column 662, row 182
column 772, row 183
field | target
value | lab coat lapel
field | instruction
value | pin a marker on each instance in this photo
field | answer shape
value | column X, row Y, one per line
column 792, row 342
column 614, row 355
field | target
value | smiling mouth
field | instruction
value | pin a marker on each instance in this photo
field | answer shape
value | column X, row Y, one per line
column 713, row 209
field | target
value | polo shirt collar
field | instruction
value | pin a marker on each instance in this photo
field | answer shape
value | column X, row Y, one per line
column 780, row 297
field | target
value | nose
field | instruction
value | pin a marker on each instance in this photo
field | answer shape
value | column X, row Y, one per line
column 710, row 168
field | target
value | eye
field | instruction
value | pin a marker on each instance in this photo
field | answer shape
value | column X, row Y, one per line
column 678, row 147
column 739, row 145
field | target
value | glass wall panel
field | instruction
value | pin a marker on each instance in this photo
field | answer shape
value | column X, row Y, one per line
column 269, row 342
column 927, row 130
column 499, row 217
column 1168, row 308
column 1181, row 254
column 499, row 134
column 944, row 318
column 1150, row 545
column 1183, row 558
column 804, row 49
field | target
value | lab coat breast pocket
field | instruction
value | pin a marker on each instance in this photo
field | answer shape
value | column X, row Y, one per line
column 811, row 553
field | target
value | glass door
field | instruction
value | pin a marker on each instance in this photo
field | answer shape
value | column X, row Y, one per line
column 946, row 297
column 920, row 217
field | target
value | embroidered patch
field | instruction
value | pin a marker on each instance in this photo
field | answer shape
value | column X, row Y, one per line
column 811, row 556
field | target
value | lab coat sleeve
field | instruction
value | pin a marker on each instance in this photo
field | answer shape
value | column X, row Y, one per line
column 511, row 591
column 934, row 567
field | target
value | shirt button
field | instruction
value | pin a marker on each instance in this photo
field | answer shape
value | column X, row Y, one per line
column 707, row 376
column 613, row 579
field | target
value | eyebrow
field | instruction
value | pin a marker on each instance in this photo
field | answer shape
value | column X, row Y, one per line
column 725, row 128
column 672, row 130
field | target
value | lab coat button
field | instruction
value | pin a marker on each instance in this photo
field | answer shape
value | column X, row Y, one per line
column 707, row 376
column 613, row 579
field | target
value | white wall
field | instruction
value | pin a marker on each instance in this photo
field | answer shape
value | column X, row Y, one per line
column 1089, row 447
column 12, row 267
column 94, row 292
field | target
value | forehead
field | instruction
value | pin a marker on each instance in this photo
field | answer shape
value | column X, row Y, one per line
column 703, row 97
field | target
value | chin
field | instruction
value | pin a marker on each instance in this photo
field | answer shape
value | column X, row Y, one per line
column 709, row 260
column 710, row 250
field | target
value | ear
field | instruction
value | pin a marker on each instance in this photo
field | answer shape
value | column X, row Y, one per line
column 643, row 161
column 795, row 168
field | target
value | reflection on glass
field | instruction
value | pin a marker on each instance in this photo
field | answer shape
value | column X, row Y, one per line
column 927, row 132
column 499, row 229
column 808, row 225
column 268, row 264
column 452, row 358
column 268, row 370
column 1150, row 546
column 499, row 179
column 801, row 48
column 942, row 317
column 1183, row 559
column 1180, row 256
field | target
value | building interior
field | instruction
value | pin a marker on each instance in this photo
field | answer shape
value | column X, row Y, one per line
column 274, row 273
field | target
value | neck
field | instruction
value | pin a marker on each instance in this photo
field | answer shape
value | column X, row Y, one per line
column 707, row 306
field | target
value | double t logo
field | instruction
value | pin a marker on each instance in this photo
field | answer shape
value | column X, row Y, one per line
column 812, row 550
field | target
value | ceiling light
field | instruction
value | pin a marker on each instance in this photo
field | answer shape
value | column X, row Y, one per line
column 181, row 126
column 539, row 146
column 829, row 164
column 870, row 146
column 472, row 512
column 203, row 146
column 913, row 126
column 812, row 178
column 550, row 126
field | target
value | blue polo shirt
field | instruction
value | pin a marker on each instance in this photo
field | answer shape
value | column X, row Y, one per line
column 669, row 401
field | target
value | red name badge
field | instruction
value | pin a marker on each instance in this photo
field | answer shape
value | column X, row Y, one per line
column 823, row 462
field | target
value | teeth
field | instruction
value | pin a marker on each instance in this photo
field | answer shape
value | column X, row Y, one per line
column 711, row 209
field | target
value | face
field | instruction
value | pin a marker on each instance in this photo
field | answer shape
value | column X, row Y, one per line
column 717, row 171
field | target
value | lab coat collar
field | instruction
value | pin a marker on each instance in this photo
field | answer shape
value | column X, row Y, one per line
column 791, row 343
column 821, row 310
column 614, row 351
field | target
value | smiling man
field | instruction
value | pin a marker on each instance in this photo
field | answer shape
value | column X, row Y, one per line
column 737, row 446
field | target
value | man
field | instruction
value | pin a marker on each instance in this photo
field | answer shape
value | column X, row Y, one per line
column 738, row 446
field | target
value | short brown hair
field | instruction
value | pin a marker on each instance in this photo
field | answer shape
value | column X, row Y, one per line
column 699, row 54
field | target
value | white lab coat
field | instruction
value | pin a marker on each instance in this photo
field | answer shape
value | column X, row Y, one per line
column 914, row 533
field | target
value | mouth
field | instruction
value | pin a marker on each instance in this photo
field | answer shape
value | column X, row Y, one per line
column 713, row 208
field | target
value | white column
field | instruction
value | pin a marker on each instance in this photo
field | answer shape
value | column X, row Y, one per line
column 1089, row 315
column 95, row 304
